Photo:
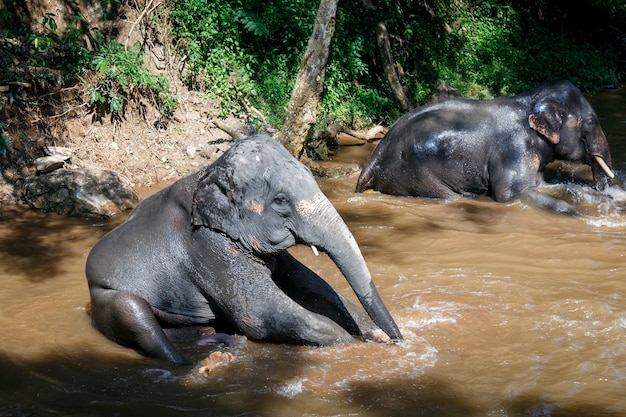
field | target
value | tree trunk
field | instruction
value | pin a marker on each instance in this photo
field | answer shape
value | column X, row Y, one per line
column 304, row 105
column 384, row 49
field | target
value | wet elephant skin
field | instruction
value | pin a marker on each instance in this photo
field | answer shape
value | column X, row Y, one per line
column 497, row 148
column 212, row 248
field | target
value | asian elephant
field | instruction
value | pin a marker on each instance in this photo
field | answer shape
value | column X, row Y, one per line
column 211, row 250
column 498, row 148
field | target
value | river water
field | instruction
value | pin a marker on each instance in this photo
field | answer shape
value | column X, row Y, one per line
column 507, row 310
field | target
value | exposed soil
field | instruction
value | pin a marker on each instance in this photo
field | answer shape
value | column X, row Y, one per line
column 40, row 109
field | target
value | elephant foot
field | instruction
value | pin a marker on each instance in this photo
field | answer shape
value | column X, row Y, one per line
column 216, row 338
column 375, row 335
column 214, row 360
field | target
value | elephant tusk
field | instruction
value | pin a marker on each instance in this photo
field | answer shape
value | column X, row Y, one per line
column 315, row 250
column 604, row 166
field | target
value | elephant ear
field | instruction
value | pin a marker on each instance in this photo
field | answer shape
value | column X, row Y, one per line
column 546, row 117
column 214, row 205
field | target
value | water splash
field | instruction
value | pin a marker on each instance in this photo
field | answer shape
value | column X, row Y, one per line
column 601, row 209
column 290, row 390
column 444, row 312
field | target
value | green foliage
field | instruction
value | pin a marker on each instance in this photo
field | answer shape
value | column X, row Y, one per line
column 211, row 45
column 253, row 23
column 497, row 48
column 69, row 52
column 121, row 75
column 248, row 50
column 5, row 143
column 240, row 50
column 244, row 52
column 503, row 53
column 353, row 91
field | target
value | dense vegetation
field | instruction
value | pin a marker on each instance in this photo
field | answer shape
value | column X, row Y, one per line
column 247, row 53
column 112, row 75
column 252, row 49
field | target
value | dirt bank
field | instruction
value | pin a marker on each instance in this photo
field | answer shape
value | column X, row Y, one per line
column 42, row 107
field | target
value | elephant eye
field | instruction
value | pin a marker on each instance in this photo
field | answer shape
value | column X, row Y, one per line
column 281, row 199
column 281, row 204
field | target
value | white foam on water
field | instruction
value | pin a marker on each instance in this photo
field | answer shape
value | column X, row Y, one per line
column 444, row 312
column 608, row 206
column 343, row 367
column 411, row 364
column 607, row 222
column 291, row 389
column 621, row 321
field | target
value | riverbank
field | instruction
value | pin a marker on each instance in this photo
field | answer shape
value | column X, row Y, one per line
column 138, row 148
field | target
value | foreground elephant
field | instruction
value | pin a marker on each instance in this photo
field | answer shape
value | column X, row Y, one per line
column 497, row 148
column 211, row 250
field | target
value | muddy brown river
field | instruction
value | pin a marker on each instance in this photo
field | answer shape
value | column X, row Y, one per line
column 506, row 310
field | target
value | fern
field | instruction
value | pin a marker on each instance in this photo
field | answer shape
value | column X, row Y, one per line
column 253, row 23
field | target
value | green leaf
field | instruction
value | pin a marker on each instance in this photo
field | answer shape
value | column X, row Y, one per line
column 100, row 64
column 5, row 143
column 115, row 104
column 94, row 95
column 253, row 23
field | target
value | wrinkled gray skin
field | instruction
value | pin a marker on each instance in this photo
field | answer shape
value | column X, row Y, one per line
column 498, row 148
column 211, row 250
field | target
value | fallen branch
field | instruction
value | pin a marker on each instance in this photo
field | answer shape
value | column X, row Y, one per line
column 251, row 109
column 20, row 84
column 233, row 133
column 333, row 130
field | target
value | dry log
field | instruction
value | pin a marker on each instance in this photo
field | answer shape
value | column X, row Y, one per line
column 233, row 133
column 334, row 130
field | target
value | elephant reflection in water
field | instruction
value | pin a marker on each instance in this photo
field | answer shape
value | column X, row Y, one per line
column 498, row 148
column 211, row 250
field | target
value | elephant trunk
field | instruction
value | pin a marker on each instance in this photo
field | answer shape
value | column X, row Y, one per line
column 325, row 229
column 598, row 148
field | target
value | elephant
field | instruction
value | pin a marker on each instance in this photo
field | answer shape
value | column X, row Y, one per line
column 211, row 250
column 497, row 148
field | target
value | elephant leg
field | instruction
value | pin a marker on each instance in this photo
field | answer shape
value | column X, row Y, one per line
column 260, row 310
column 200, row 335
column 428, row 184
column 129, row 320
column 217, row 338
column 313, row 293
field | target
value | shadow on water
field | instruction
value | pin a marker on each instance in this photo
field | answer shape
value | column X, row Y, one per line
column 93, row 386
column 35, row 244
column 434, row 397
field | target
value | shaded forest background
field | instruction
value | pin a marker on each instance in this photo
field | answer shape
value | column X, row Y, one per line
column 482, row 48
column 118, row 60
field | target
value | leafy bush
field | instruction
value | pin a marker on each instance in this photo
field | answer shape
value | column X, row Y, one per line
column 120, row 73
column 211, row 44
column 245, row 50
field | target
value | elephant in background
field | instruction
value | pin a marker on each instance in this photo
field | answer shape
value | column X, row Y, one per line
column 211, row 250
column 497, row 148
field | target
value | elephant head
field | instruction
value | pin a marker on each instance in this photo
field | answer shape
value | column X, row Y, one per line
column 561, row 114
column 265, row 200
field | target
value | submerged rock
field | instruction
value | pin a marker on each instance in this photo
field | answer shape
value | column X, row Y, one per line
column 86, row 192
